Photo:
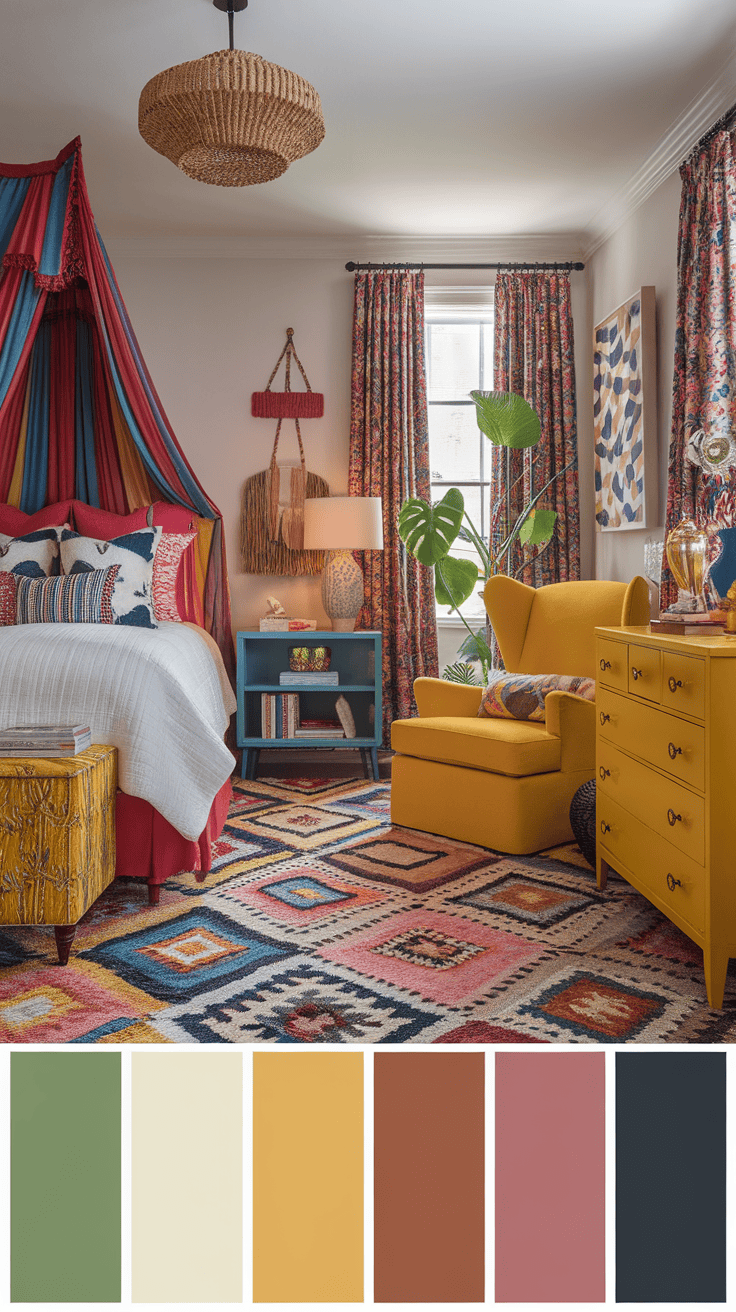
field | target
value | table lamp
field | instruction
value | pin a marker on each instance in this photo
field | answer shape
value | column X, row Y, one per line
column 340, row 526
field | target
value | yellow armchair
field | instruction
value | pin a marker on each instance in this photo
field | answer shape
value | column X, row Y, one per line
column 508, row 784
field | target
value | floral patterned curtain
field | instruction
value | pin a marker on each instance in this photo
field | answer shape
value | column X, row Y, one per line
column 389, row 458
column 534, row 357
column 704, row 389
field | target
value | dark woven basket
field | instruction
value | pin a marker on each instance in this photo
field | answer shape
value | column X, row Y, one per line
column 582, row 820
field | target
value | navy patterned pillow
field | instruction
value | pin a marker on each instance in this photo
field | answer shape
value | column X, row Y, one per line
column 35, row 556
column 70, row 599
column 132, row 596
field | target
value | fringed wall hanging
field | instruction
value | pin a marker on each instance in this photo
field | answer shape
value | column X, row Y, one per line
column 272, row 520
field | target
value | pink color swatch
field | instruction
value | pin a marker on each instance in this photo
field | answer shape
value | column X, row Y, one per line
column 550, row 1177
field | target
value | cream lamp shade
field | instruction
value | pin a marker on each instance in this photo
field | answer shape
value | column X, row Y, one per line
column 341, row 525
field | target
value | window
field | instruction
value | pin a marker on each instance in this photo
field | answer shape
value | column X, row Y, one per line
column 459, row 353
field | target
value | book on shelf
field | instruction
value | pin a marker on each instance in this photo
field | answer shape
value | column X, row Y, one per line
column 320, row 728
column 313, row 678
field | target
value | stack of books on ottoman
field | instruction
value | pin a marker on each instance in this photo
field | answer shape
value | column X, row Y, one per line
column 45, row 740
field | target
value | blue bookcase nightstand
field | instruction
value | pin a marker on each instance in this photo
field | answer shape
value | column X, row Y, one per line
column 357, row 659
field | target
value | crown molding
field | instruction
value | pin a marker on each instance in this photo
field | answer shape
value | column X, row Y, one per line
column 363, row 248
column 667, row 156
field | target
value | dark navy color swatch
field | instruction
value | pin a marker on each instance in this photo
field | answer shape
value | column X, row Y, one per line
column 670, row 1177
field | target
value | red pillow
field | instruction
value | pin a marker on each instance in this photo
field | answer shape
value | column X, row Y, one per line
column 16, row 523
column 7, row 598
column 103, row 525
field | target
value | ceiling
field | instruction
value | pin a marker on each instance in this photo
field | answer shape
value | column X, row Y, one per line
column 445, row 119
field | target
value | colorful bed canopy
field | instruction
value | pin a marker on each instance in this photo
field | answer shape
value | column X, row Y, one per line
column 79, row 415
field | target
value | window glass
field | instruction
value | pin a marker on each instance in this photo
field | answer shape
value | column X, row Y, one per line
column 460, row 360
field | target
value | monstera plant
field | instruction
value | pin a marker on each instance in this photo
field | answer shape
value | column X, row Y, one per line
column 430, row 531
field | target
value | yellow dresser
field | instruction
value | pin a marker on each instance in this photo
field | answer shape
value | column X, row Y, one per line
column 666, row 781
column 57, row 838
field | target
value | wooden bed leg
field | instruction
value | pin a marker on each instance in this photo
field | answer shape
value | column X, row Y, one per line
column 154, row 894
column 64, row 935
column 201, row 875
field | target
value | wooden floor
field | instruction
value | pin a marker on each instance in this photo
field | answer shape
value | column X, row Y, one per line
column 343, row 763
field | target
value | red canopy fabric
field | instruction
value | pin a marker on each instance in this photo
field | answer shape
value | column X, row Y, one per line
column 79, row 414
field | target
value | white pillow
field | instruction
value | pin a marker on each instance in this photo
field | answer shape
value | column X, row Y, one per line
column 132, row 596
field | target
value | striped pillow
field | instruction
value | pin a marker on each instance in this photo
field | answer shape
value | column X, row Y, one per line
column 70, row 599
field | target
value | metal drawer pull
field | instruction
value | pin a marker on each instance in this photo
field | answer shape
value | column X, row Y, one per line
column 605, row 829
column 604, row 773
column 673, row 883
column 638, row 674
column 673, row 751
column 605, row 665
column 672, row 818
column 673, row 684
column 604, row 716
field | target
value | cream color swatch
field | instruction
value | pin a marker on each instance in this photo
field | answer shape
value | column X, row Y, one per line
column 187, row 1177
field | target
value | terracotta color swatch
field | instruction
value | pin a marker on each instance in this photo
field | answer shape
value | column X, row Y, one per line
column 429, row 1217
column 65, row 1177
column 671, row 1177
column 308, row 1177
column 187, row 1177
column 550, row 1177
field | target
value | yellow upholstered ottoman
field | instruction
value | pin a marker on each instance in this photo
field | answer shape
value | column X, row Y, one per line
column 57, row 838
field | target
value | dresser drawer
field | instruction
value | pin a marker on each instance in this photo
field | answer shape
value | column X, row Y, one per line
column 683, row 683
column 662, row 873
column 663, row 740
column 610, row 664
column 644, row 672
column 660, row 803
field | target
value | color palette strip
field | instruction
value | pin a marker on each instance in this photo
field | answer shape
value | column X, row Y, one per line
column 65, row 1177
column 550, row 1177
column 670, row 1177
column 308, row 1177
column 177, row 1119
column 429, row 1177
column 187, row 1177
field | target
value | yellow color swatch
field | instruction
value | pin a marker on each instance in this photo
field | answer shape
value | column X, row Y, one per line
column 308, row 1177
column 187, row 1177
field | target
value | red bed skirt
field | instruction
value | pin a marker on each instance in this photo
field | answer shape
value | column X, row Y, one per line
column 149, row 848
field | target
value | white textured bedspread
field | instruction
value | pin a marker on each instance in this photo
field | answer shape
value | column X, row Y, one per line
column 161, row 696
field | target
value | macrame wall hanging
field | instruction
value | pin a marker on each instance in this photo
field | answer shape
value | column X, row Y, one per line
column 272, row 520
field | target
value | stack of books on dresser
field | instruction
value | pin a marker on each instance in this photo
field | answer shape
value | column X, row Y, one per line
column 45, row 740
column 280, row 718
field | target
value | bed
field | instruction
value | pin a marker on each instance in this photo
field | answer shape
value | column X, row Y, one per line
column 160, row 694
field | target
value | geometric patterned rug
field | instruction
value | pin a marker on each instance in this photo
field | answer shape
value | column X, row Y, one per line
column 322, row 923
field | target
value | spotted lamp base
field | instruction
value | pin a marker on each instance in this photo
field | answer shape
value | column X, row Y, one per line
column 342, row 590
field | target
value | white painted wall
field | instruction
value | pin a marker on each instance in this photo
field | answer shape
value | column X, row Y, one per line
column 643, row 251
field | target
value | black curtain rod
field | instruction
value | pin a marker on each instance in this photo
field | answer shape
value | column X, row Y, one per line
column 351, row 266
column 724, row 121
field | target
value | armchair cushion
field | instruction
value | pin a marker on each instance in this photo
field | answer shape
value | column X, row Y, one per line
column 523, row 696
column 513, row 747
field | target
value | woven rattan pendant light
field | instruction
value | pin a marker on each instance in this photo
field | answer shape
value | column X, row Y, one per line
column 231, row 118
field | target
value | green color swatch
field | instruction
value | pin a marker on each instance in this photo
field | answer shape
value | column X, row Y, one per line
column 65, row 1177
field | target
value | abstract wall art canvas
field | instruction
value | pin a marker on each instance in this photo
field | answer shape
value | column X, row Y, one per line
column 624, row 415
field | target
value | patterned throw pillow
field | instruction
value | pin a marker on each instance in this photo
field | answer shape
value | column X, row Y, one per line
column 132, row 596
column 70, row 599
column 166, row 564
column 36, row 555
column 7, row 599
column 521, row 696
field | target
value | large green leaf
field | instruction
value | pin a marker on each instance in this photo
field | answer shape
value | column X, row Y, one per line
column 429, row 531
column 454, row 580
column 507, row 419
column 474, row 647
column 538, row 528
column 460, row 673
